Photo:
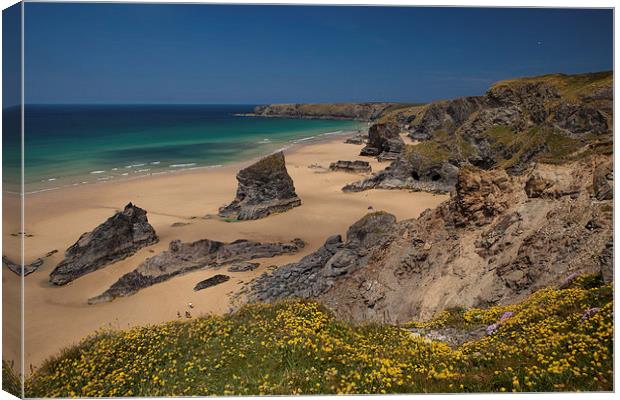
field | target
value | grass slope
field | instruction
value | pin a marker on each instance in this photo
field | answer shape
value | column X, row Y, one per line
column 298, row 347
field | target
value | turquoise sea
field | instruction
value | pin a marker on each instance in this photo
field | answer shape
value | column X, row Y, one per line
column 68, row 145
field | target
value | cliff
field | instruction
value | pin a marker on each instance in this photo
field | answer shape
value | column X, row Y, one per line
column 530, row 169
column 553, row 119
column 356, row 111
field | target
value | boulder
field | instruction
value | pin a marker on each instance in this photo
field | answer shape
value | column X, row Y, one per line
column 356, row 166
column 243, row 266
column 264, row 188
column 121, row 236
column 214, row 280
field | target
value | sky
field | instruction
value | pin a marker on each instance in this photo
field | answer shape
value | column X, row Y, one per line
column 227, row 54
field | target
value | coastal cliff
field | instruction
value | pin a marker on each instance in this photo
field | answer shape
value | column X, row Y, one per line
column 553, row 118
column 356, row 111
column 529, row 168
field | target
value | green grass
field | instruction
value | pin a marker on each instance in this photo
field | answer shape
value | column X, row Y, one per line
column 298, row 347
column 429, row 150
column 570, row 86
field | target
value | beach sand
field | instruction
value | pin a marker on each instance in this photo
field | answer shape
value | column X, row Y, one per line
column 56, row 317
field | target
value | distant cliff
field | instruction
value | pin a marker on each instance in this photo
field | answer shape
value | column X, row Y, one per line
column 357, row 111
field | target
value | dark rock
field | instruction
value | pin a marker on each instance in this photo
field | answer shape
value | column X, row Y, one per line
column 391, row 149
column 185, row 257
column 379, row 136
column 360, row 138
column 214, row 280
column 265, row 187
column 121, row 236
column 351, row 166
column 17, row 268
column 243, row 267
column 444, row 115
column 315, row 273
column 412, row 170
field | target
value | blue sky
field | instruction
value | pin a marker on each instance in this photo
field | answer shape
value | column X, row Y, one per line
column 176, row 53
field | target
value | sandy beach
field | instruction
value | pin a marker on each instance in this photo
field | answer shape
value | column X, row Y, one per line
column 56, row 317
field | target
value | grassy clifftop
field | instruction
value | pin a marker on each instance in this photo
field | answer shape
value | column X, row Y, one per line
column 557, row 339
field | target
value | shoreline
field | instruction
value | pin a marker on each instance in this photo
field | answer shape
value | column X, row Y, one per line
column 58, row 316
column 319, row 138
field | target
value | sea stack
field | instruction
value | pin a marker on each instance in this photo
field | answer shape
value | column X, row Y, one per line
column 121, row 236
column 265, row 187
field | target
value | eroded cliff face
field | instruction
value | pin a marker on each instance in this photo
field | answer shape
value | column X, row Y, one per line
column 357, row 111
column 497, row 239
column 554, row 118
column 530, row 170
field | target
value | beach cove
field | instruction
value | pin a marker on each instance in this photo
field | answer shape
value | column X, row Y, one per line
column 57, row 317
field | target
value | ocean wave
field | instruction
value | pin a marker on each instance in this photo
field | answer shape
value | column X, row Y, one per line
column 331, row 133
column 304, row 139
column 134, row 165
column 182, row 165
column 143, row 170
column 156, row 163
column 97, row 172
column 41, row 190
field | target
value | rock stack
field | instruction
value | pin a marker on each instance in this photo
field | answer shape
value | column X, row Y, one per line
column 121, row 236
column 265, row 188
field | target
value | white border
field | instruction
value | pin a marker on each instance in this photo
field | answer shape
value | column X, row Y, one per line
column 449, row 3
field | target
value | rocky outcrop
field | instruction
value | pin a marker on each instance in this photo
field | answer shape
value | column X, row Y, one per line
column 356, row 166
column 413, row 170
column 264, row 188
column 314, row 274
column 516, row 123
column 360, row 138
column 357, row 111
column 492, row 242
column 383, row 141
column 181, row 258
column 444, row 115
column 121, row 236
column 213, row 281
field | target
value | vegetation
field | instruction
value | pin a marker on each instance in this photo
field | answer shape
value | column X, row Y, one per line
column 570, row 86
column 10, row 380
column 396, row 112
column 557, row 339
column 430, row 151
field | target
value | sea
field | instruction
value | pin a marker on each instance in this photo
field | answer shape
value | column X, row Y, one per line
column 72, row 145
